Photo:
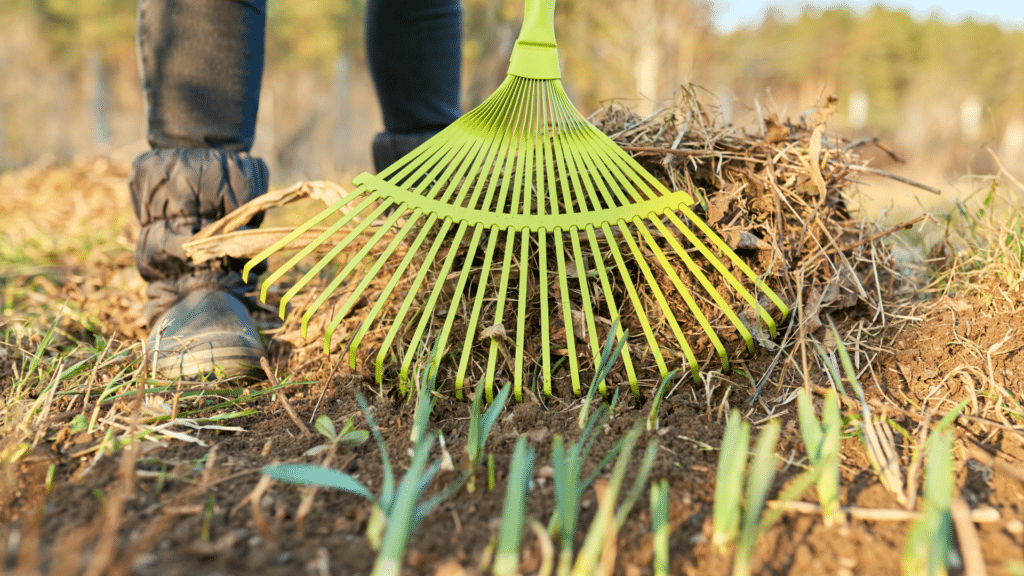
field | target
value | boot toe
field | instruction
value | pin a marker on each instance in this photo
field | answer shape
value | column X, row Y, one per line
column 207, row 335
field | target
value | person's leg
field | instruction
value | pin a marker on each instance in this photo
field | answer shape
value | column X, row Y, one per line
column 201, row 63
column 414, row 48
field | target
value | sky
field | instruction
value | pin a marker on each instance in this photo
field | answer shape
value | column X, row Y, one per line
column 731, row 14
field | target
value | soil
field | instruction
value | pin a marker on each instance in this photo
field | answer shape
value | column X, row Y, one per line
column 186, row 508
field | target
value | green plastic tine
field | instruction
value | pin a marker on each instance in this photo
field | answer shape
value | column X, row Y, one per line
column 638, row 306
column 502, row 152
column 732, row 280
column 410, row 297
column 524, row 272
column 515, row 133
column 327, row 258
column 276, row 246
column 588, row 308
column 567, row 318
column 388, row 289
column 684, row 292
column 613, row 310
column 474, row 318
column 455, row 305
column 428, row 309
column 351, row 264
column 567, row 165
column 545, row 326
column 481, row 159
column 323, row 237
column 368, row 276
column 499, row 311
column 513, row 89
column 710, row 289
column 659, row 296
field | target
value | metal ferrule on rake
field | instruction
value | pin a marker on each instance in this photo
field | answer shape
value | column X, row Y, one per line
column 523, row 209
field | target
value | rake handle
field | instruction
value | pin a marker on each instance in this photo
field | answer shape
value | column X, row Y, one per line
column 535, row 54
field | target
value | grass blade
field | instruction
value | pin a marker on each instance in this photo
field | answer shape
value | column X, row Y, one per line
column 506, row 558
column 659, row 526
column 732, row 465
column 762, row 474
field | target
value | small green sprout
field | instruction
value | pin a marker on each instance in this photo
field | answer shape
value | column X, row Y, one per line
column 928, row 545
column 659, row 526
column 506, row 556
column 762, row 475
column 732, row 465
column 609, row 356
column 822, row 443
column 347, row 439
column 480, row 425
column 659, row 395
column 609, row 519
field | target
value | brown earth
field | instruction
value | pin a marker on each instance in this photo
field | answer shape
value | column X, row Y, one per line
column 186, row 508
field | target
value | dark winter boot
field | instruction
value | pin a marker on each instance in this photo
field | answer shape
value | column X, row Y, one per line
column 198, row 314
column 388, row 148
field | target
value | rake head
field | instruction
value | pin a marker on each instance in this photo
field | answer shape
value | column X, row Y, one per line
column 523, row 209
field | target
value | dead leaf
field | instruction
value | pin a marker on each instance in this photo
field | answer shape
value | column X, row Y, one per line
column 744, row 239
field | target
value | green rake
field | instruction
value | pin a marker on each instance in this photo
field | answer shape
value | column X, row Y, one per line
column 523, row 174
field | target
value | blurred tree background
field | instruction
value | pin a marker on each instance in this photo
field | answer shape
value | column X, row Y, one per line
column 938, row 92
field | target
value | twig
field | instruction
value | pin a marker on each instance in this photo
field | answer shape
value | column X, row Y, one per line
column 986, row 515
column 878, row 144
column 669, row 151
column 284, row 399
column 895, row 177
column 872, row 238
column 967, row 534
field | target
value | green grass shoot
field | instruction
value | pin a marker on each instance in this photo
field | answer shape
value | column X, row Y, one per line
column 660, row 526
column 480, row 424
column 926, row 551
column 659, row 395
column 609, row 519
column 506, row 555
column 822, row 443
column 732, row 465
column 762, row 475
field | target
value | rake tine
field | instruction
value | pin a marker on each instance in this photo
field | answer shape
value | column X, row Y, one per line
column 478, row 301
column 368, row 277
column 638, row 306
column 697, row 273
column 524, row 272
column 276, row 246
column 499, row 310
column 453, row 308
column 691, row 304
column 323, row 237
column 588, row 308
column 428, row 309
column 613, row 310
column 352, row 262
column 570, row 337
column 659, row 296
column 743, row 293
column 331, row 254
column 742, row 266
column 410, row 297
column 388, row 289
column 545, row 326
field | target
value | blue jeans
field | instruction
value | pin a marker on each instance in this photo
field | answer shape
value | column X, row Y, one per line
column 202, row 63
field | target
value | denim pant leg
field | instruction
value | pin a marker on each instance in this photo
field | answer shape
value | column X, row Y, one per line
column 201, row 64
column 414, row 48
